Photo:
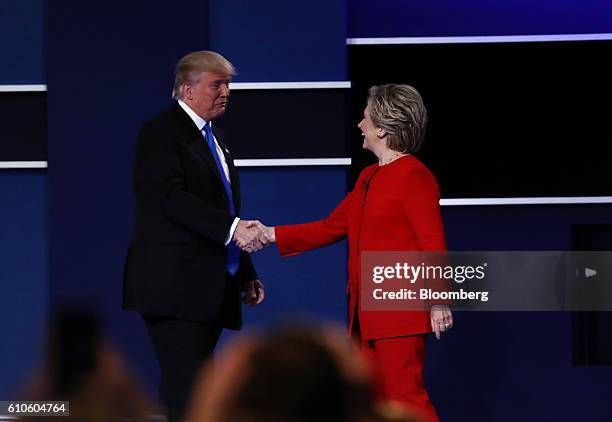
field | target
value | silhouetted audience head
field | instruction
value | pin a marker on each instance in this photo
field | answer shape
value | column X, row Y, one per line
column 83, row 368
column 293, row 374
column 73, row 344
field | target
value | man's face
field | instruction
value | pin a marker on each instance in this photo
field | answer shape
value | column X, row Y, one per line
column 209, row 96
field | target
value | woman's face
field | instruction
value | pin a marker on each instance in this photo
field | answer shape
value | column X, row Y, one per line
column 371, row 141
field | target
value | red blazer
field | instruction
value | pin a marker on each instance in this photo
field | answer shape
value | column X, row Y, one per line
column 392, row 208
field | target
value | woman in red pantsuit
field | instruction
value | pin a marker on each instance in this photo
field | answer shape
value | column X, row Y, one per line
column 393, row 207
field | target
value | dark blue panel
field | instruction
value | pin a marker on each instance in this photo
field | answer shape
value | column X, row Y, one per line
column 513, row 366
column 313, row 283
column 412, row 18
column 518, row 227
column 277, row 40
column 110, row 66
column 21, row 42
column 495, row 366
column 23, row 275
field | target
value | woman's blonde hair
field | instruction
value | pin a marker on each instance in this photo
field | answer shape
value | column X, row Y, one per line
column 399, row 110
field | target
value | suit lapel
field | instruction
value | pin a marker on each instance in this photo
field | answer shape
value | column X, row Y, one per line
column 196, row 142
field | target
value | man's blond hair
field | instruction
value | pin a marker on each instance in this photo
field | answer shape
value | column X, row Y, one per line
column 190, row 68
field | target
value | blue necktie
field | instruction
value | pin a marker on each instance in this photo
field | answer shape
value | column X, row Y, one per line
column 233, row 252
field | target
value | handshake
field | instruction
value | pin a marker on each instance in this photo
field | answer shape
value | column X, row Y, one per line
column 252, row 235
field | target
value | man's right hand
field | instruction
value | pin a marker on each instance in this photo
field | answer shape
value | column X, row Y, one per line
column 252, row 235
column 268, row 234
column 247, row 236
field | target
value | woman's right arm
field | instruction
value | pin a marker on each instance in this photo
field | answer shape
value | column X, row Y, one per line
column 296, row 238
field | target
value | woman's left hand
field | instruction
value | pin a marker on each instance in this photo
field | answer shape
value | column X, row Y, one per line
column 441, row 319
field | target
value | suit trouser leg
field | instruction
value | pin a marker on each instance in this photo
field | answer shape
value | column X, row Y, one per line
column 181, row 348
column 398, row 362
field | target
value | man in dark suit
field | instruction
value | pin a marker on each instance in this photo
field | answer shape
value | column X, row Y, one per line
column 184, row 272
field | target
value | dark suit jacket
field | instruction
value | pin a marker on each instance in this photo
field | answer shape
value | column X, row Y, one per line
column 176, row 264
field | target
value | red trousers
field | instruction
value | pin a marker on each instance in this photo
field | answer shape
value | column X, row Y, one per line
column 397, row 365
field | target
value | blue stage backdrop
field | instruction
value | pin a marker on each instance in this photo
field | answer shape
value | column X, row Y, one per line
column 508, row 366
column 23, row 208
column 110, row 66
column 109, row 72
column 22, row 42
column 23, row 276
column 278, row 41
